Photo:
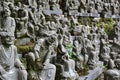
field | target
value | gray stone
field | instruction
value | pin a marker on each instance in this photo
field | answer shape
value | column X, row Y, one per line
column 42, row 59
column 115, row 16
column 94, row 15
column 8, row 23
column 93, row 74
column 84, row 14
column 107, row 16
column 57, row 12
column 10, row 65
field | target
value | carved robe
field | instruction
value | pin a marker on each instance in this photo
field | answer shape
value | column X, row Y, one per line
column 7, row 63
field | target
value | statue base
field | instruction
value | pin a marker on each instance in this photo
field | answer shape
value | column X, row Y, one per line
column 115, row 16
column 94, row 15
column 93, row 74
column 84, row 14
column 107, row 16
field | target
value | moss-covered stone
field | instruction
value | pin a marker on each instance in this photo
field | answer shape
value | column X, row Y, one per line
column 25, row 49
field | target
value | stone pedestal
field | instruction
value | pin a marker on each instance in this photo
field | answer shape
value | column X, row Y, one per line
column 107, row 16
column 73, row 12
column 115, row 16
column 58, row 12
column 93, row 74
column 84, row 14
column 94, row 15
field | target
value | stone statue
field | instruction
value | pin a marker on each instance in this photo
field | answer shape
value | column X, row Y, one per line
column 54, row 5
column 117, row 63
column 13, row 10
column 11, row 67
column 79, row 55
column 21, row 22
column 116, row 37
column 43, row 51
column 44, row 4
column 32, row 3
column 105, row 53
column 83, row 6
column 115, row 8
column 111, row 63
column 94, row 27
column 106, row 9
column 112, row 74
column 92, row 8
column 8, row 23
column 72, row 6
column 86, row 49
column 65, row 25
column 93, row 58
column 65, row 66
column 99, row 7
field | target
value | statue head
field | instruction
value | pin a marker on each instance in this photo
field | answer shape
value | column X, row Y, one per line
column 11, row 6
column 7, row 39
column 91, row 4
column 6, row 12
column 113, row 55
column 112, row 75
column 50, row 40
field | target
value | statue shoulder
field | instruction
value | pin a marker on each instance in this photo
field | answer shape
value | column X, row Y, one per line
column 1, row 46
column 12, row 19
column 14, row 47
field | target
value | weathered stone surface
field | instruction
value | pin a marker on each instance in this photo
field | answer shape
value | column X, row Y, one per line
column 93, row 74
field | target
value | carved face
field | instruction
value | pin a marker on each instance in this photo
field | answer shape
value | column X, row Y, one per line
column 7, row 12
column 7, row 40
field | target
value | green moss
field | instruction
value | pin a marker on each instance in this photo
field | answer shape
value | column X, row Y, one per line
column 84, row 71
column 26, row 48
column 23, row 60
column 109, row 23
column 69, row 48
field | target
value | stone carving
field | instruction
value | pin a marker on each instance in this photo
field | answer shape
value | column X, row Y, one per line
column 112, row 74
column 99, row 7
column 32, row 3
column 78, row 48
column 21, row 22
column 8, row 23
column 10, row 64
column 54, row 5
column 92, row 8
column 106, row 10
column 116, row 38
column 60, row 42
column 72, row 6
column 65, row 65
column 44, row 4
column 105, row 53
column 115, row 8
column 111, row 63
column 42, row 55
column 92, row 60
